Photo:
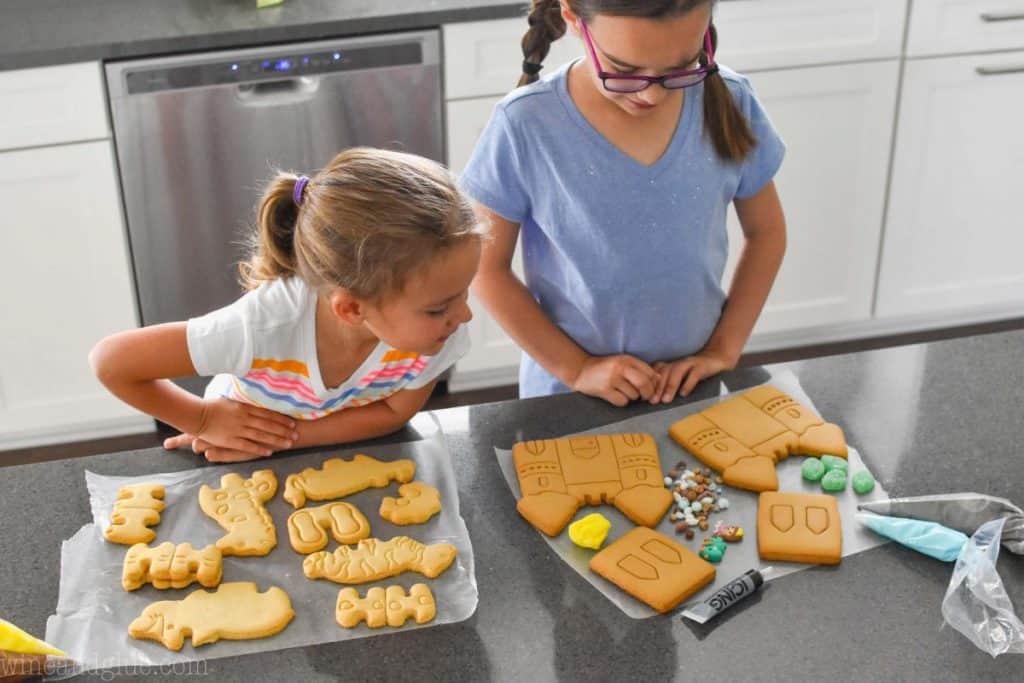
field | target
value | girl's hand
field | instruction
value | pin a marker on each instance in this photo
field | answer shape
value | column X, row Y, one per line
column 681, row 376
column 237, row 428
column 203, row 448
column 617, row 379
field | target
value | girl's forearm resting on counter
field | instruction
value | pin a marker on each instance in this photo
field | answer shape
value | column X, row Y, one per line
column 133, row 366
column 365, row 422
column 764, row 227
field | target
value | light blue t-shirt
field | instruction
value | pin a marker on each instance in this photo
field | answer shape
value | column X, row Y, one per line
column 624, row 258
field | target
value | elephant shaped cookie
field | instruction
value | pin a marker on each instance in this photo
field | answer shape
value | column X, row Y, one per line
column 559, row 476
column 235, row 611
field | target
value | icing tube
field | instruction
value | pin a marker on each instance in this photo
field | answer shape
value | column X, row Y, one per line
column 725, row 597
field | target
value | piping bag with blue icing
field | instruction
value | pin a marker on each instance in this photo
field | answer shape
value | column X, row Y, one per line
column 929, row 538
column 964, row 512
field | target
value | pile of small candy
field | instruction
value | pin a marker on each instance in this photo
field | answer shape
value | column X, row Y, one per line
column 697, row 494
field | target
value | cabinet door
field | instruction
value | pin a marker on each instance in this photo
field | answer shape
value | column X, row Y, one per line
column 66, row 284
column 837, row 124
column 494, row 357
column 948, row 27
column 954, row 233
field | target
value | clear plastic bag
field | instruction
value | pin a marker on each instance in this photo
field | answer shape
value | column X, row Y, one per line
column 976, row 603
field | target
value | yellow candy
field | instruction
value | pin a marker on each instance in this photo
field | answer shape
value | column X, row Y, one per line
column 13, row 639
column 590, row 531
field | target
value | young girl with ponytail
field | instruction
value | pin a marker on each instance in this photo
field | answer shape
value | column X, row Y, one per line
column 617, row 171
column 357, row 284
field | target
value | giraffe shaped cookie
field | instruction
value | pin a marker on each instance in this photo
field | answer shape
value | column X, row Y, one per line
column 339, row 478
column 745, row 436
column 171, row 566
column 138, row 506
column 380, row 606
column 418, row 503
column 235, row 611
column 308, row 527
column 374, row 559
column 238, row 507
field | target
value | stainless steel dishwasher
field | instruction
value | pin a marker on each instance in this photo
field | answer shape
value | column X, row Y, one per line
column 198, row 135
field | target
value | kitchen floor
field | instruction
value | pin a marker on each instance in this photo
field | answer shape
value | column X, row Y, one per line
column 503, row 393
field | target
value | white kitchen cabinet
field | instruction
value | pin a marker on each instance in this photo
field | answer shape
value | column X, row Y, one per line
column 954, row 233
column 769, row 34
column 486, row 57
column 52, row 105
column 948, row 27
column 493, row 358
column 66, row 283
column 837, row 124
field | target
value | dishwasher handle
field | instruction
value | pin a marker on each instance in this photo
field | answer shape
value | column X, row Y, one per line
column 278, row 91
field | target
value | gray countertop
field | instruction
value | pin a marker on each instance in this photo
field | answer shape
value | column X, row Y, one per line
column 937, row 417
column 46, row 32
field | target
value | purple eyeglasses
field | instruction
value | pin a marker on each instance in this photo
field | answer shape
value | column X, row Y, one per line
column 621, row 83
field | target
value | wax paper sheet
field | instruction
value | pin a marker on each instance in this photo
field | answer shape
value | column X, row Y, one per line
column 739, row 557
column 93, row 611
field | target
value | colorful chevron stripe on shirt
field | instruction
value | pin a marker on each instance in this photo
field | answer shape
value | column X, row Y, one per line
column 284, row 385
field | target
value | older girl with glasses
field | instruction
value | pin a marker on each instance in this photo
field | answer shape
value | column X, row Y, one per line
column 617, row 171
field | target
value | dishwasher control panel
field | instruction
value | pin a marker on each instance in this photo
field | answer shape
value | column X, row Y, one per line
column 272, row 66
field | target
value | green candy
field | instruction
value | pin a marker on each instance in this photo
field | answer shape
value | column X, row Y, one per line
column 712, row 553
column 831, row 462
column 834, row 481
column 718, row 542
column 863, row 482
column 812, row 469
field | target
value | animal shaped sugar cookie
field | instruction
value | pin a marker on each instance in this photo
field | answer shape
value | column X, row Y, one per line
column 138, row 507
column 389, row 607
column 374, row 559
column 418, row 503
column 171, row 566
column 308, row 527
column 743, row 437
column 558, row 476
column 238, row 507
column 235, row 611
column 653, row 568
column 338, row 478
column 799, row 527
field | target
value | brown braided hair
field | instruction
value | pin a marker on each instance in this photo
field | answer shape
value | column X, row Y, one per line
column 724, row 124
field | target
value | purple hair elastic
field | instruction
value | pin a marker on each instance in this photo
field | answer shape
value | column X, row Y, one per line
column 300, row 186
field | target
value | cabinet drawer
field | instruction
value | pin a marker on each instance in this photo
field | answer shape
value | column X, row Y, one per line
column 52, row 105
column 770, row 34
column 943, row 27
column 485, row 57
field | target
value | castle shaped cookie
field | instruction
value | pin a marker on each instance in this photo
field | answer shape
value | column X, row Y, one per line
column 743, row 437
column 418, row 503
column 171, row 566
column 338, row 478
column 374, row 559
column 308, row 527
column 138, row 507
column 389, row 607
column 559, row 476
column 235, row 611
column 238, row 507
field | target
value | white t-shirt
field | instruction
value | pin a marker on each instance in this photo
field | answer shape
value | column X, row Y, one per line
column 262, row 349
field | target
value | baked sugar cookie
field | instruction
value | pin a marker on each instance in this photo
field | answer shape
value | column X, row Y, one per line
column 238, row 506
column 308, row 527
column 138, row 507
column 338, row 478
column 390, row 607
column 235, row 611
column 418, row 503
column 374, row 559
